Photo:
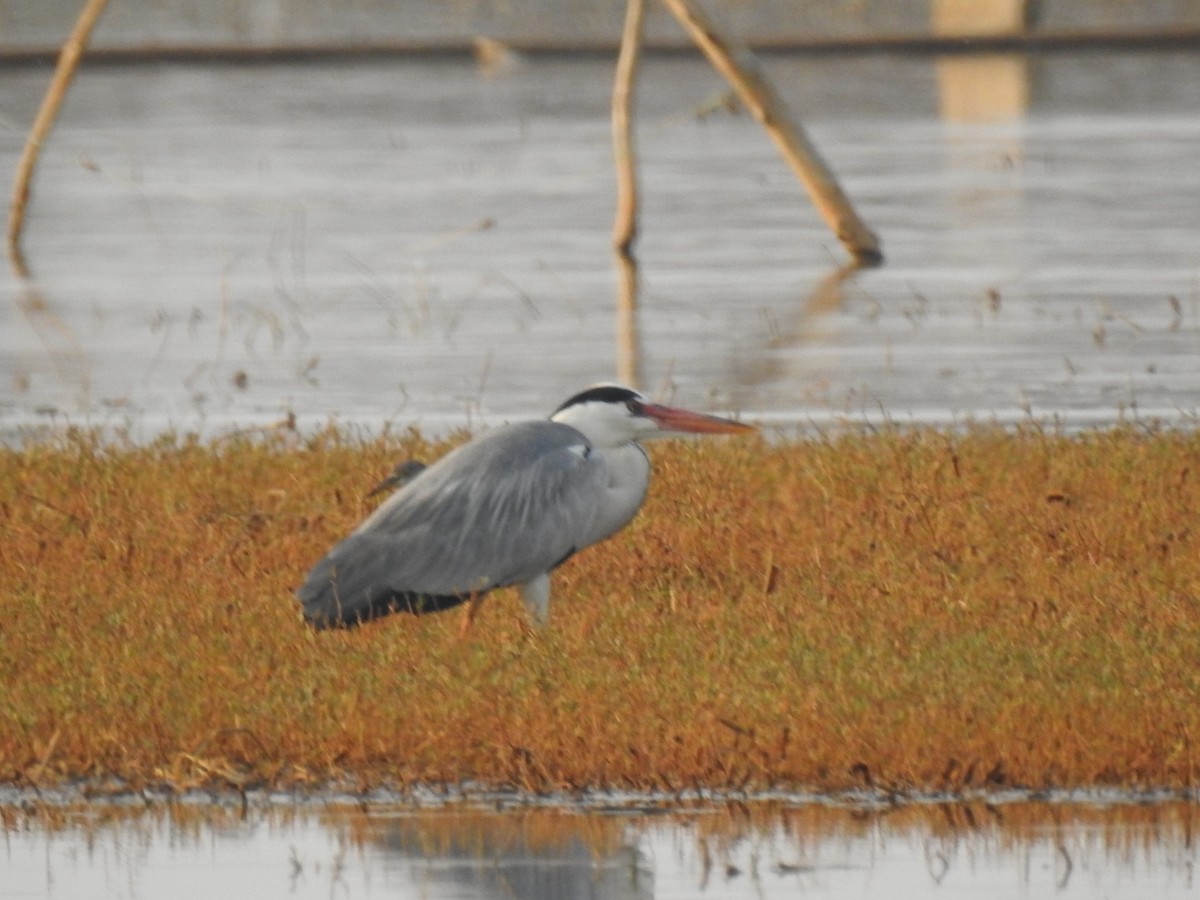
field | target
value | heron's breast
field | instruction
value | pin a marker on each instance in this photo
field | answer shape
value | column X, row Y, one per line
column 628, row 477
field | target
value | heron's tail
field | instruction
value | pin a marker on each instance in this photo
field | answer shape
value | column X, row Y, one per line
column 331, row 598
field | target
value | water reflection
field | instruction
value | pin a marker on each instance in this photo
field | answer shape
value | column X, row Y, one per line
column 57, row 339
column 1071, row 848
column 809, row 321
column 543, row 855
column 985, row 87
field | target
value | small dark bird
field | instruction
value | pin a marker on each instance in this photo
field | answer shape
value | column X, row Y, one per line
column 401, row 475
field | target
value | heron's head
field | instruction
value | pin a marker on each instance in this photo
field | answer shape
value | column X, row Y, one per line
column 610, row 415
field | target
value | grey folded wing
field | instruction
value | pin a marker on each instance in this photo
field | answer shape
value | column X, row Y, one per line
column 500, row 510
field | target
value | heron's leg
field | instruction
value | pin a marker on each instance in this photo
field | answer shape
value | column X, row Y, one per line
column 470, row 611
column 536, row 594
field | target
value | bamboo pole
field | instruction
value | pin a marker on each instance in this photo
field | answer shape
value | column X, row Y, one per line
column 68, row 61
column 629, row 346
column 625, row 224
column 740, row 68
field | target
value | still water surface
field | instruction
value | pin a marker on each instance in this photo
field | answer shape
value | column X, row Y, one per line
column 422, row 242
column 976, row 850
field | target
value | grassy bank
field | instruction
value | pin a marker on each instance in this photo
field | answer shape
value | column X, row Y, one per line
column 907, row 609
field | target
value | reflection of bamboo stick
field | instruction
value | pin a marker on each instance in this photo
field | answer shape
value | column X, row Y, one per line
column 753, row 370
column 625, row 226
column 740, row 69
column 68, row 60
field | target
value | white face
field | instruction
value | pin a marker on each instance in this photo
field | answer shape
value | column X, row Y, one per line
column 610, row 415
column 610, row 420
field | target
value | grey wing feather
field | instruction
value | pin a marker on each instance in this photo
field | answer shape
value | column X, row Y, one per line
column 499, row 510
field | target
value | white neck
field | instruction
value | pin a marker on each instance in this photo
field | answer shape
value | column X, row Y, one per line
column 628, row 470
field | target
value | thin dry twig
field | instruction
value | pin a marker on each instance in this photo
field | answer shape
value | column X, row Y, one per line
column 741, row 70
column 68, row 61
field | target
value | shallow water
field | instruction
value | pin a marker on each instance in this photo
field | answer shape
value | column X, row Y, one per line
column 420, row 242
column 978, row 850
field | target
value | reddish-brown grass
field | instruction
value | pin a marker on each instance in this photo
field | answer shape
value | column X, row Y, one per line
column 900, row 609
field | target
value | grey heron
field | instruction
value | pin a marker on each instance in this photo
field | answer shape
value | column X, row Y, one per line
column 506, row 508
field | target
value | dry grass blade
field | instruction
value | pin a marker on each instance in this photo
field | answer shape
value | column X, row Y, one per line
column 905, row 609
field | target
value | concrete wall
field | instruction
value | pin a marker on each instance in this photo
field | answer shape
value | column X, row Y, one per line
column 31, row 25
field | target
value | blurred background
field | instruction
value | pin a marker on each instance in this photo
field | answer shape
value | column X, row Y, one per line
column 400, row 213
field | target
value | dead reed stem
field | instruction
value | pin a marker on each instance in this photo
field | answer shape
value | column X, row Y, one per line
column 68, row 61
column 625, row 225
column 741, row 69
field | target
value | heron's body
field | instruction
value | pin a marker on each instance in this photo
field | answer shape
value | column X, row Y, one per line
column 503, row 509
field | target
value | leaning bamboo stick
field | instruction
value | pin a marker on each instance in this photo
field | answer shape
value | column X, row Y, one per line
column 625, row 224
column 68, row 61
column 741, row 70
